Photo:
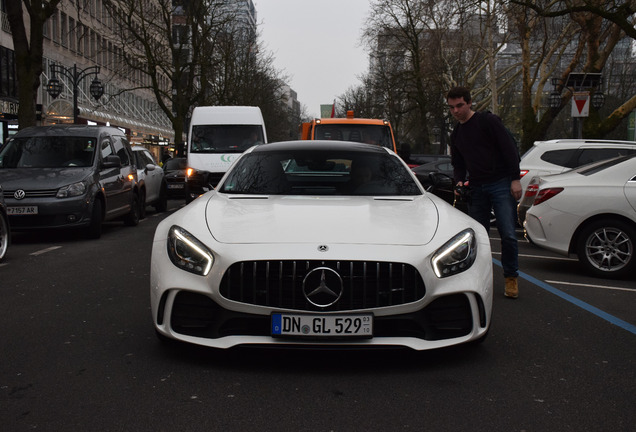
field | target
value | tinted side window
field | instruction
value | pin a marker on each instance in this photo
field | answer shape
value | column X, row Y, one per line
column 121, row 150
column 560, row 157
column 597, row 154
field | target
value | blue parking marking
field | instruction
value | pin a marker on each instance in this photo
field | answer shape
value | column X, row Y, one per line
column 585, row 306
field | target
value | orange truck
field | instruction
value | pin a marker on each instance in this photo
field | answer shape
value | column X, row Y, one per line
column 372, row 131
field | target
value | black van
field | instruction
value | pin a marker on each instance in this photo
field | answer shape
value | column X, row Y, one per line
column 69, row 176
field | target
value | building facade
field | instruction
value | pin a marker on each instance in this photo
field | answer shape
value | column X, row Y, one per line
column 82, row 39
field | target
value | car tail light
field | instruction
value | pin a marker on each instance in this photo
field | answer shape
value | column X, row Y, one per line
column 532, row 190
column 522, row 173
column 546, row 194
column 189, row 172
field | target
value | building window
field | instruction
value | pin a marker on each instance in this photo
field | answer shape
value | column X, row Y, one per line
column 71, row 35
column 55, row 35
column 7, row 73
column 63, row 30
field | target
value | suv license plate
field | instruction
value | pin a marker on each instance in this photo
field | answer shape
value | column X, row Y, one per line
column 22, row 210
column 358, row 325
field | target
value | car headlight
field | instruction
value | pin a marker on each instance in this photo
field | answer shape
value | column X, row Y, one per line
column 188, row 253
column 457, row 254
column 72, row 190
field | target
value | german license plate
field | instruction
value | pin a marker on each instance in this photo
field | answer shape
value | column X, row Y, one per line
column 176, row 186
column 353, row 325
column 22, row 210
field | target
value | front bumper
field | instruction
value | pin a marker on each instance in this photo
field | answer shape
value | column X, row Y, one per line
column 51, row 213
column 448, row 320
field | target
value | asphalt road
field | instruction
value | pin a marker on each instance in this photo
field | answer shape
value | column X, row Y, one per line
column 79, row 353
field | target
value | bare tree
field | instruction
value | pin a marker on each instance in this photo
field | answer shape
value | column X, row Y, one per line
column 421, row 48
column 578, row 42
column 621, row 13
column 169, row 43
column 28, row 49
column 506, row 53
column 196, row 52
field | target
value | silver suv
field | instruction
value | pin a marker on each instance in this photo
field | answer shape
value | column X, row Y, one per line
column 557, row 156
column 69, row 177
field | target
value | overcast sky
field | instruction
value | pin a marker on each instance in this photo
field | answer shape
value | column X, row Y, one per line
column 317, row 44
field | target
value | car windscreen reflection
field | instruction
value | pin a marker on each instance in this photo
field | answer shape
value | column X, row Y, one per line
column 320, row 173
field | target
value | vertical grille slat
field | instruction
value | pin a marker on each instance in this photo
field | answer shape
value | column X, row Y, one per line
column 279, row 284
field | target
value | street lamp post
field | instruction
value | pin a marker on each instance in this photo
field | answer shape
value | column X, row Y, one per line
column 75, row 75
column 577, row 83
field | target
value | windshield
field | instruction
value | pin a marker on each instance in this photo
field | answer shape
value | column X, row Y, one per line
column 175, row 164
column 370, row 134
column 225, row 138
column 310, row 172
column 48, row 152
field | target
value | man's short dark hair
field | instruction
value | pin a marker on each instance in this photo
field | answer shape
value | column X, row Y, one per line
column 459, row 92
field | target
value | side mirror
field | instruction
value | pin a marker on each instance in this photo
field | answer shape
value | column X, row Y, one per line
column 440, row 180
column 111, row 161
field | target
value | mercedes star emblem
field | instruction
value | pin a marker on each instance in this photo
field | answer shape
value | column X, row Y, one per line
column 322, row 287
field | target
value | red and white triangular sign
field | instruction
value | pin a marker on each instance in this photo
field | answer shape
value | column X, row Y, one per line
column 581, row 104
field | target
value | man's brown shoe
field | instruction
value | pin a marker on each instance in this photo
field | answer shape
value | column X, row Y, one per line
column 512, row 289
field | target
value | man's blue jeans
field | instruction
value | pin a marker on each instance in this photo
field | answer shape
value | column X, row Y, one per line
column 497, row 196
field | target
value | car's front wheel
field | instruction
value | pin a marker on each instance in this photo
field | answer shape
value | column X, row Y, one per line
column 132, row 218
column 5, row 235
column 606, row 248
column 94, row 229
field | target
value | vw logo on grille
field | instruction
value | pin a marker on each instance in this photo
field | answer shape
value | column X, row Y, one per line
column 323, row 248
column 19, row 194
column 322, row 287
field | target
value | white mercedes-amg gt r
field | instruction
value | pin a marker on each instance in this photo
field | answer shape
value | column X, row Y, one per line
column 321, row 243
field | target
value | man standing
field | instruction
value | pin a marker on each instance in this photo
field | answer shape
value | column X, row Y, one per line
column 483, row 152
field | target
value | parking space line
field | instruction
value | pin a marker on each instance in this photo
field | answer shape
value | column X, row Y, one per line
column 575, row 301
column 591, row 286
column 42, row 251
column 541, row 257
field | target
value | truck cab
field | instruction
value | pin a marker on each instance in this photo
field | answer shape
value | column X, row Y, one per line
column 350, row 128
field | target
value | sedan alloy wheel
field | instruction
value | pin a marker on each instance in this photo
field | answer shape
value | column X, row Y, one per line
column 606, row 248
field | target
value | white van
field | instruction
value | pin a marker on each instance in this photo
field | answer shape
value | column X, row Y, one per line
column 217, row 136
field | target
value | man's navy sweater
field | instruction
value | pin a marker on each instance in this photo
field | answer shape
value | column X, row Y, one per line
column 483, row 152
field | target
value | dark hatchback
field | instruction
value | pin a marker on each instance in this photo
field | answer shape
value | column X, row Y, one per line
column 437, row 177
column 174, row 173
column 69, row 177
column 440, row 184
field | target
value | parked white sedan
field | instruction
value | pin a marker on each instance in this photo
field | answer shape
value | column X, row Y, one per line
column 321, row 243
column 591, row 212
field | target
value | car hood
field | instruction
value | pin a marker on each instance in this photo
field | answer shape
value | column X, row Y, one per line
column 41, row 178
column 302, row 219
column 178, row 173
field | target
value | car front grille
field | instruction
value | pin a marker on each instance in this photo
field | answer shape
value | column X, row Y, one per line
column 364, row 284
column 44, row 193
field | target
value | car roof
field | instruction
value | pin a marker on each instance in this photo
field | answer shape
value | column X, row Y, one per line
column 350, row 121
column 67, row 130
column 567, row 143
column 320, row 145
